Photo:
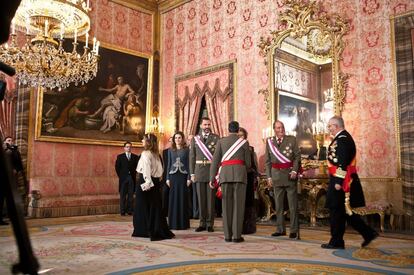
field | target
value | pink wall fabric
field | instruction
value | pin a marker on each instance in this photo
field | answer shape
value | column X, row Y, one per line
column 204, row 33
column 62, row 169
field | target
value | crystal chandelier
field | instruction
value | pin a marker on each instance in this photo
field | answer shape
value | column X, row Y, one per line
column 42, row 60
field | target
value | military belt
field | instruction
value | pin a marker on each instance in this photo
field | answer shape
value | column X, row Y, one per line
column 203, row 162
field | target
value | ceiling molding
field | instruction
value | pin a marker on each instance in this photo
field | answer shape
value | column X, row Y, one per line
column 152, row 6
column 146, row 6
column 167, row 5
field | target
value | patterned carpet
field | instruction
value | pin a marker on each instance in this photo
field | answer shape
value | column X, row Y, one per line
column 103, row 245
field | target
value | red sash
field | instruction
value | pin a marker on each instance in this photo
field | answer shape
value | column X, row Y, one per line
column 282, row 165
column 232, row 162
column 350, row 169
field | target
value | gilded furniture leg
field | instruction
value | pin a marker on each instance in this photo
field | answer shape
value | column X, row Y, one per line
column 266, row 199
column 313, row 195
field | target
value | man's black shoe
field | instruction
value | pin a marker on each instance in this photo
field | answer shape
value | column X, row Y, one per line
column 3, row 223
column 210, row 229
column 368, row 241
column 200, row 228
column 240, row 240
column 227, row 240
column 330, row 246
column 122, row 214
column 130, row 213
column 277, row 234
column 293, row 235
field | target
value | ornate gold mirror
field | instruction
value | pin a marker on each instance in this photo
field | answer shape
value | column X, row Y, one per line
column 306, row 86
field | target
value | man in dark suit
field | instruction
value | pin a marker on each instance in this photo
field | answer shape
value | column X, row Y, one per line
column 125, row 166
column 345, row 190
column 282, row 166
column 233, row 155
column 201, row 153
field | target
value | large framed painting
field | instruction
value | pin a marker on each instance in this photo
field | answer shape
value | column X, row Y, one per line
column 299, row 115
column 113, row 107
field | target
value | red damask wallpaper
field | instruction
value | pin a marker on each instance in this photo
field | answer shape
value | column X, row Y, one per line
column 60, row 169
column 204, row 33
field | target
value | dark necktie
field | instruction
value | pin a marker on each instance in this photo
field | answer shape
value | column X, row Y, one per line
column 205, row 138
column 279, row 141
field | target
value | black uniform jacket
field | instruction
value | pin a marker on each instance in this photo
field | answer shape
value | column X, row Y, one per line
column 341, row 152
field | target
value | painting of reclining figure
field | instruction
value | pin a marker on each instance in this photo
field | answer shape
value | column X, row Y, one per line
column 109, row 109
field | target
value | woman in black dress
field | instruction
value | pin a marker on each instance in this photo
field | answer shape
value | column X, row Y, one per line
column 178, row 179
column 249, row 223
column 148, row 219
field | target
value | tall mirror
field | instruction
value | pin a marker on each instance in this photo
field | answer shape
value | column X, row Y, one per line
column 306, row 86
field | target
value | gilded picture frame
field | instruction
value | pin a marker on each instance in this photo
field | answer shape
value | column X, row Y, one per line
column 113, row 107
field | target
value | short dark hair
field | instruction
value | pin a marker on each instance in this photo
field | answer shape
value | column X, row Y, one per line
column 127, row 142
column 204, row 118
column 234, row 127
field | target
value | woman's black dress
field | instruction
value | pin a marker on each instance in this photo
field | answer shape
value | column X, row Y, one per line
column 249, row 222
column 178, row 208
column 148, row 219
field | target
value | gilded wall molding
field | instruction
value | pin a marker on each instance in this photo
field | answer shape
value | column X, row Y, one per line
column 298, row 20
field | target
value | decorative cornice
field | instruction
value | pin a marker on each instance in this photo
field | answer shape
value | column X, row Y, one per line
column 167, row 5
column 152, row 6
column 146, row 6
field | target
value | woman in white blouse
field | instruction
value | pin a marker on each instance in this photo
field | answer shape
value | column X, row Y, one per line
column 148, row 219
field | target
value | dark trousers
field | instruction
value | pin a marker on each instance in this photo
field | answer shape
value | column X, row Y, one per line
column 205, row 204
column 195, row 201
column 338, row 220
column 126, row 194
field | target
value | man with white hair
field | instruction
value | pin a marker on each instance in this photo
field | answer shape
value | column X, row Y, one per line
column 344, row 191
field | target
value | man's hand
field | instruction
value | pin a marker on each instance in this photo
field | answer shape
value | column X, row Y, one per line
column 269, row 182
column 193, row 178
column 168, row 182
column 293, row 175
column 188, row 183
column 338, row 186
column 211, row 185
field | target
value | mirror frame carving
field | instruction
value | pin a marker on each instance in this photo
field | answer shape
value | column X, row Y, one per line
column 297, row 20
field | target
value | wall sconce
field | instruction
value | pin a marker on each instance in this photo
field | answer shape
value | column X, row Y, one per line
column 156, row 127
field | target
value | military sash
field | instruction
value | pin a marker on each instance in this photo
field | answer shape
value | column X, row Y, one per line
column 346, row 184
column 225, row 160
column 279, row 156
column 203, row 148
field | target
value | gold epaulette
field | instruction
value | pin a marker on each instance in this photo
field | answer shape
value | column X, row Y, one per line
column 340, row 173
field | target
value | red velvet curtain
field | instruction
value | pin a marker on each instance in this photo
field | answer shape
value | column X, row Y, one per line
column 218, row 107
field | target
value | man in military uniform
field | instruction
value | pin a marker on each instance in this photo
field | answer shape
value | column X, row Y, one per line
column 282, row 166
column 344, row 189
column 201, row 153
column 233, row 155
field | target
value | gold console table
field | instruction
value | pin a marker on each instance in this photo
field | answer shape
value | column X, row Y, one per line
column 312, row 188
